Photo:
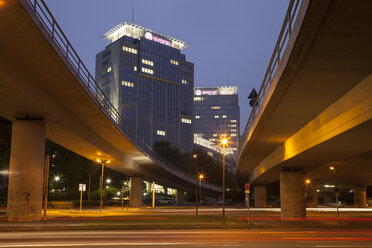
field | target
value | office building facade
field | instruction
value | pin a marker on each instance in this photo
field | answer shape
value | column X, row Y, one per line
column 216, row 114
column 149, row 81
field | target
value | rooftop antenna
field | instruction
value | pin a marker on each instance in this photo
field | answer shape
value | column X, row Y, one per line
column 132, row 12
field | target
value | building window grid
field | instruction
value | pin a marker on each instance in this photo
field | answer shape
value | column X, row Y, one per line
column 130, row 50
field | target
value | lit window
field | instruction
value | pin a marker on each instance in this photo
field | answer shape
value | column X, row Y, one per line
column 146, row 70
column 210, row 154
column 129, row 84
column 212, row 139
column 135, row 68
column 147, row 62
column 233, row 120
column 184, row 81
column 233, row 130
column 232, row 125
column 216, row 116
column 197, row 116
column 107, row 70
column 215, row 107
column 184, row 120
column 224, row 116
column 233, row 134
column 214, row 135
column 129, row 50
column 223, row 135
column 198, row 99
column 175, row 62
column 160, row 132
column 198, row 135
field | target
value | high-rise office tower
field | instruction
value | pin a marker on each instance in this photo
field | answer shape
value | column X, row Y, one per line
column 149, row 81
column 216, row 114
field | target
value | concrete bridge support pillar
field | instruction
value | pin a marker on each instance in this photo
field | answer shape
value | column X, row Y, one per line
column 312, row 195
column 136, row 191
column 292, row 194
column 180, row 197
column 26, row 172
column 360, row 197
column 260, row 196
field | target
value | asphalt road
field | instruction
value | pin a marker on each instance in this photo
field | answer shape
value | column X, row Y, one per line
column 192, row 238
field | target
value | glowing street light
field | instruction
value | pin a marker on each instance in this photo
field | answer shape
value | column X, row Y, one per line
column 57, row 178
column 108, row 180
column 201, row 176
column 102, row 162
column 224, row 142
column 332, row 168
column 195, row 156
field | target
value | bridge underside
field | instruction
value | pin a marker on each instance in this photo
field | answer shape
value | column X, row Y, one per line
column 327, row 57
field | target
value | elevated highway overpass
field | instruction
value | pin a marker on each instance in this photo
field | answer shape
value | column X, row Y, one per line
column 314, row 108
column 47, row 92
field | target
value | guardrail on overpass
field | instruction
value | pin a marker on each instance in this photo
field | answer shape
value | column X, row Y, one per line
column 280, row 46
column 91, row 87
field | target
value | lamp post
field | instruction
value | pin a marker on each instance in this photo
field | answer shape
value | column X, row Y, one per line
column 332, row 168
column 102, row 162
column 307, row 182
column 224, row 142
column 195, row 156
column 201, row 176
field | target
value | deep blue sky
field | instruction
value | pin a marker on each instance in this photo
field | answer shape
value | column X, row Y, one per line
column 230, row 40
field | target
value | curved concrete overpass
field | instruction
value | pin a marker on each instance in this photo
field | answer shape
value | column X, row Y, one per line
column 315, row 105
column 42, row 78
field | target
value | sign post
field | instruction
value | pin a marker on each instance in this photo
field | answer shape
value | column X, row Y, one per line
column 82, row 187
column 247, row 186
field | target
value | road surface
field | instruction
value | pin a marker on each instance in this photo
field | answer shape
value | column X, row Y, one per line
column 321, row 238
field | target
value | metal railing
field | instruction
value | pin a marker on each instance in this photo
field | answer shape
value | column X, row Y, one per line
column 280, row 46
column 86, row 80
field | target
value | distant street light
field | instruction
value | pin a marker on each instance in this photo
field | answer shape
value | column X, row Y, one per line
column 56, row 178
column 201, row 176
column 102, row 162
column 332, row 168
column 195, row 156
column 108, row 180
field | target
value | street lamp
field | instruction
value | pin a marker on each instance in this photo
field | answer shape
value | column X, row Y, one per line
column 224, row 143
column 195, row 156
column 332, row 168
column 201, row 176
column 108, row 180
column 102, row 162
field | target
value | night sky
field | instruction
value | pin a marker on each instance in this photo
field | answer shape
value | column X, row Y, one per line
column 231, row 41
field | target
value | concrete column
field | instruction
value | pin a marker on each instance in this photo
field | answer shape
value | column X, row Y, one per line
column 360, row 197
column 312, row 195
column 260, row 196
column 180, row 197
column 26, row 172
column 136, row 191
column 292, row 194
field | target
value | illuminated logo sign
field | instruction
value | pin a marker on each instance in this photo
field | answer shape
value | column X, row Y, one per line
column 206, row 92
column 152, row 37
column 148, row 35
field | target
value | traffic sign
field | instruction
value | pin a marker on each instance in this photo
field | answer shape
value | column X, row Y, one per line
column 246, row 186
column 82, row 187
